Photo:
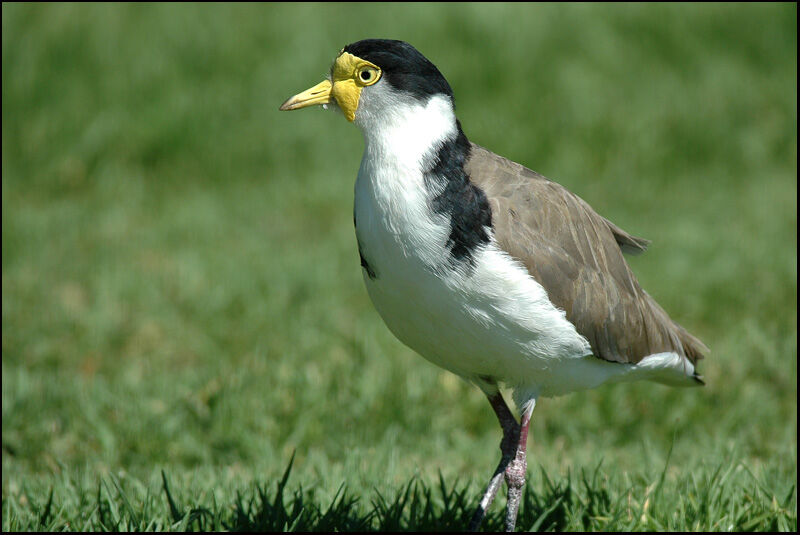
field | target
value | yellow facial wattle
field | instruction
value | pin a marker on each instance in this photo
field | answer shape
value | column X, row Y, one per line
column 349, row 75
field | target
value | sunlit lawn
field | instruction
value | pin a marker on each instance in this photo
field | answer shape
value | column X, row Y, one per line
column 182, row 290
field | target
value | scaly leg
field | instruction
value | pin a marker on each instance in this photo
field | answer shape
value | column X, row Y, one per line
column 508, row 449
column 515, row 472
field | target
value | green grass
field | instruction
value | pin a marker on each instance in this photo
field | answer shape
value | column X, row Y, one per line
column 725, row 497
column 182, row 292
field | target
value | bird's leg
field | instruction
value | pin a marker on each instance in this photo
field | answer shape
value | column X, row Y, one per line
column 516, row 469
column 508, row 449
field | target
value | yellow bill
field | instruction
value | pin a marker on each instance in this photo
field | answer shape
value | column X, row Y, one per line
column 319, row 94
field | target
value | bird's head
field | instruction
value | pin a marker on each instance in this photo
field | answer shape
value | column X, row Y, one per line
column 375, row 78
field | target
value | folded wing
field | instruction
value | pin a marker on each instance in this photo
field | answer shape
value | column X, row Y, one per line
column 576, row 255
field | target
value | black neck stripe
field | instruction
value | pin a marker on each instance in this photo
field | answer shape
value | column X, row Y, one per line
column 462, row 201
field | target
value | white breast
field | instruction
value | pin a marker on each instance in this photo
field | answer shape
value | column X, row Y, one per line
column 486, row 319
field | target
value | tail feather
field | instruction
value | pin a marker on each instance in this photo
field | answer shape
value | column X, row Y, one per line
column 682, row 340
column 695, row 349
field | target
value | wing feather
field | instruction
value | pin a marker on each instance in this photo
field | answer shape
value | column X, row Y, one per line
column 576, row 255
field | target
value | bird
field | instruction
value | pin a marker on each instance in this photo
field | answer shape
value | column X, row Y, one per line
column 483, row 266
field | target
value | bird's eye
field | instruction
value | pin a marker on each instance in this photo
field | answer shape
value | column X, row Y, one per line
column 368, row 75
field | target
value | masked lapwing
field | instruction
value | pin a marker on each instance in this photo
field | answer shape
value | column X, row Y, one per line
column 483, row 266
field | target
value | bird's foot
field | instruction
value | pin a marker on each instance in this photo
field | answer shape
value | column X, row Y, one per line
column 508, row 447
column 515, row 480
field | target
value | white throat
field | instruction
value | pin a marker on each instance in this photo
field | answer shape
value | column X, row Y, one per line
column 395, row 223
column 403, row 132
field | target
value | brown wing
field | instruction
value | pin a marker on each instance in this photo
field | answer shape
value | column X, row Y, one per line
column 576, row 255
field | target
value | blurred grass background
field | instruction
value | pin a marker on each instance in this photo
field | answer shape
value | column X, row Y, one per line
column 181, row 284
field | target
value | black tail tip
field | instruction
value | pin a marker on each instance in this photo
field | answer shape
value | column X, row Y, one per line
column 699, row 379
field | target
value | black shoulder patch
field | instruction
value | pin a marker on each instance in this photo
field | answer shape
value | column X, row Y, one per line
column 462, row 201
